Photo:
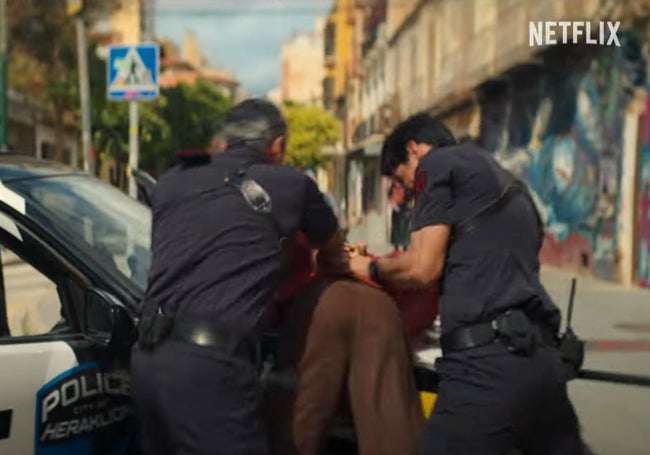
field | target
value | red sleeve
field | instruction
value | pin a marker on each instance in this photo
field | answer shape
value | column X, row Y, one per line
column 299, row 272
column 419, row 308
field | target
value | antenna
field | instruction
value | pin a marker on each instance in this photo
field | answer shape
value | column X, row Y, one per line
column 571, row 299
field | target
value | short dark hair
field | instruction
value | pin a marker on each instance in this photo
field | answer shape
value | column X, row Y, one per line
column 421, row 128
column 254, row 122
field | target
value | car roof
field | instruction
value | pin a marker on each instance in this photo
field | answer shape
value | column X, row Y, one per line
column 17, row 167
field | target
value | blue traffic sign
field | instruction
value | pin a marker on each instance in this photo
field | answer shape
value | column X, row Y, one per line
column 132, row 72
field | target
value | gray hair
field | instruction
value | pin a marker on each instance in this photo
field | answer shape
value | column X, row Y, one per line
column 255, row 123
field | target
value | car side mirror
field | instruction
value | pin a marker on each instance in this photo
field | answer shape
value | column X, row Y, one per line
column 107, row 322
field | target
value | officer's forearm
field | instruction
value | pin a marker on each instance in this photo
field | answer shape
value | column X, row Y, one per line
column 404, row 272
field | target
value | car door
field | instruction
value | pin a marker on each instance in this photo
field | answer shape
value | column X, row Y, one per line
column 59, row 392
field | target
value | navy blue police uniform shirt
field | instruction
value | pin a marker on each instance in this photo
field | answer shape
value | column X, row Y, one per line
column 214, row 259
column 494, row 266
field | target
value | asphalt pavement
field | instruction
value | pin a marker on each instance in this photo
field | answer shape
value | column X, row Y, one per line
column 615, row 322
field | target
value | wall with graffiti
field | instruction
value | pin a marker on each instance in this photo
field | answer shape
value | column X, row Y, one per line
column 643, row 265
column 558, row 123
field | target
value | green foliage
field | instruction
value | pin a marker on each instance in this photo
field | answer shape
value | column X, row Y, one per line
column 43, row 55
column 183, row 117
column 193, row 112
column 110, row 123
column 111, row 133
column 43, row 33
column 43, row 64
column 310, row 128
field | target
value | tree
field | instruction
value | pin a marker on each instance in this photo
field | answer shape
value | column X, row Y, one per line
column 183, row 117
column 310, row 129
column 43, row 56
column 41, row 32
column 110, row 120
column 111, row 133
column 193, row 112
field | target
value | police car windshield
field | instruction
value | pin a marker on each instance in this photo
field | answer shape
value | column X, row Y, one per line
column 115, row 226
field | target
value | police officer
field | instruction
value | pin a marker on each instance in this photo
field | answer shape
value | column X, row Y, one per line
column 216, row 263
column 476, row 230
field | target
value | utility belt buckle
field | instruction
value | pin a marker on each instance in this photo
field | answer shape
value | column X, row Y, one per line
column 152, row 331
column 516, row 331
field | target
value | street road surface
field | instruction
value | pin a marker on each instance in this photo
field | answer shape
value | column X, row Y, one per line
column 616, row 322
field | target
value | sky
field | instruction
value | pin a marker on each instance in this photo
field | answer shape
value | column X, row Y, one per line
column 244, row 36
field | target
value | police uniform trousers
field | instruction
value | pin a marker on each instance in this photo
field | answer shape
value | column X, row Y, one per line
column 195, row 400
column 346, row 343
column 491, row 401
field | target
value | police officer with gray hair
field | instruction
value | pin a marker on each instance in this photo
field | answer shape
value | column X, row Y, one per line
column 217, row 260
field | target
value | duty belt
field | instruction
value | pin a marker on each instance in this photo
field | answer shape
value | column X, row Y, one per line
column 164, row 328
column 513, row 328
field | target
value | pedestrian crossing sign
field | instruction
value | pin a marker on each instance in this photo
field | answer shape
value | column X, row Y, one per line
column 132, row 72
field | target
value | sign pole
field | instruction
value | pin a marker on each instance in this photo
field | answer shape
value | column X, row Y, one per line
column 133, row 147
column 132, row 75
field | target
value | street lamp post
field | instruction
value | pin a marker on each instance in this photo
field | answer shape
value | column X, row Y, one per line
column 75, row 8
column 84, row 92
column 4, row 120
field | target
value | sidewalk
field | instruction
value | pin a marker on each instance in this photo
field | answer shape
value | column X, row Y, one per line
column 601, row 310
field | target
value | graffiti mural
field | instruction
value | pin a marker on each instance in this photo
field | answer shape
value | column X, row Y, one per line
column 644, row 200
column 559, row 125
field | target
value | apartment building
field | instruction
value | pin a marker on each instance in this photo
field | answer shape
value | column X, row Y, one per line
column 564, row 118
column 303, row 66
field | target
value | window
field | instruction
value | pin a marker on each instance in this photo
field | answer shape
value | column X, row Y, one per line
column 32, row 301
column 328, row 93
column 47, row 151
column 97, row 216
column 330, row 39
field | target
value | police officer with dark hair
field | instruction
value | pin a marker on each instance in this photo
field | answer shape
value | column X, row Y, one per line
column 217, row 242
column 477, row 231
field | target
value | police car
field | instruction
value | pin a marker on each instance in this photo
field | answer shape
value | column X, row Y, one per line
column 74, row 254
column 74, row 259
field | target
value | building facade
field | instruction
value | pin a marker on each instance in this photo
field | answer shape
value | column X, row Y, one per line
column 302, row 67
column 188, row 66
column 570, row 120
column 338, row 41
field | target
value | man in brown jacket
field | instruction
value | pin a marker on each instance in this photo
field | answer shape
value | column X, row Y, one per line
column 346, row 344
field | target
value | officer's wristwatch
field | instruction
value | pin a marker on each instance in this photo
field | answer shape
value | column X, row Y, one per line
column 373, row 271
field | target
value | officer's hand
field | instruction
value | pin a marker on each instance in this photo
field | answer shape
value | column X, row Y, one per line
column 359, row 266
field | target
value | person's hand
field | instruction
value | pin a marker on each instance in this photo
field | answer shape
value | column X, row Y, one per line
column 356, row 249
column 359, row 266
